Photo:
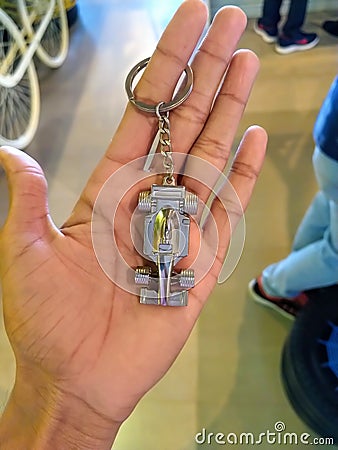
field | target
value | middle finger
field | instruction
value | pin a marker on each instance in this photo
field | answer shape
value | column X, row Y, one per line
column 209, row 65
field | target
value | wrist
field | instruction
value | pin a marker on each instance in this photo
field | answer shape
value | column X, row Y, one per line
column 43, row 416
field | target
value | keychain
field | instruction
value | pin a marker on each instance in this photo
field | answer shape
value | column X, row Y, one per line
column 167, row 208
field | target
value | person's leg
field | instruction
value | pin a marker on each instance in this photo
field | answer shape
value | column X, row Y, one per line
column 326, row 172
column 271, row 15
column 292, row 38
column 334, row 224
column 295, row 18
column 267, row 26
column 314, row 223
column 315, row 265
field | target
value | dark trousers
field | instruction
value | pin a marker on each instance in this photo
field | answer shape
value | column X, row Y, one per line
column 294, row 20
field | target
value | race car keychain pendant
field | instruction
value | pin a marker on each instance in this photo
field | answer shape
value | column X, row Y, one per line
column 167, row 222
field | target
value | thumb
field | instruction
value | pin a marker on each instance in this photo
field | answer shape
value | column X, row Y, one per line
column 28, row 207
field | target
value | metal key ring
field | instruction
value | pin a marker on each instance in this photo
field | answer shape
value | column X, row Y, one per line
column 179, row 98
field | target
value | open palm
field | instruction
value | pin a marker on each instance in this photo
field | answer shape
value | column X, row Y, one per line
column 65, row 318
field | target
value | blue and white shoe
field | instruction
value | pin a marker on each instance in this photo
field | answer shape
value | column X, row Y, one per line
column 303, row 41
column 268, row 34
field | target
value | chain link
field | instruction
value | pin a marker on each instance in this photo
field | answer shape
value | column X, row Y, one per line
column 165, row 144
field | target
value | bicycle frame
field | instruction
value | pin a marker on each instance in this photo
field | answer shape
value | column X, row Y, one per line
column 29, row 50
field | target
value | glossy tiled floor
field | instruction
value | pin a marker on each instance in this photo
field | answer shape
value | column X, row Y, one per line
column 227, row 378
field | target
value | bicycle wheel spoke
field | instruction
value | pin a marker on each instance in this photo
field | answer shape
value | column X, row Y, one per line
column 19, row 104
column 54, row 43
column 51, row 38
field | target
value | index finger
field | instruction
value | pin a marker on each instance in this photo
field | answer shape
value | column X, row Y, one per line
column 159, row 80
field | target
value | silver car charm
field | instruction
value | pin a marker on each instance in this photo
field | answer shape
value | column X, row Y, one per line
column 167, row 221
column 166, row 241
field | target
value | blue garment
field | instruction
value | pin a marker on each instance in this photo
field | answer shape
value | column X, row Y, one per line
column 325, row 131
column 295, row 18
column 313, row 261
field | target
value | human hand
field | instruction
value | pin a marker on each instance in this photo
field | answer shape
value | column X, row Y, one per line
column 86, row 350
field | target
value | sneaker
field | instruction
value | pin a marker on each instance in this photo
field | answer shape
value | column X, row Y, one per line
column 287, row 307
column 268, row 34
column 331, row 27
column 303, row 41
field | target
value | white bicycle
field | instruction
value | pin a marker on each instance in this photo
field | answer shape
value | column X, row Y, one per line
column 27, row 28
